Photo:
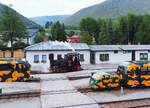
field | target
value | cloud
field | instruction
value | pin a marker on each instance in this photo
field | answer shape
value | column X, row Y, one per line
column 32, row 8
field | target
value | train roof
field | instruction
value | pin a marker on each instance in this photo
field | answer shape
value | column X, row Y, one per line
column 141, row 63
column 12, row 61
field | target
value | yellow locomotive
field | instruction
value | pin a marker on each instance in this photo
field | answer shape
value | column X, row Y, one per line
column 14, row 70
column 128, row 74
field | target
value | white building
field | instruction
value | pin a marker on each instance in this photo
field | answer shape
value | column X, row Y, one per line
column 38, row 54
column 118, row 53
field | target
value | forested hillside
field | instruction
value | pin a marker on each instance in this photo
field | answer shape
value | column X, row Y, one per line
column 130, row 28
column 110, row 9
column 26, row 20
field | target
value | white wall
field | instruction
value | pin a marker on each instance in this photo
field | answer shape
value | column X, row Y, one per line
column 44, row 67
column 86, row 57
column 119, row 57
column 113, row 58
column 137, row 54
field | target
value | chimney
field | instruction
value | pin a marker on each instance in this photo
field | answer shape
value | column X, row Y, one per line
column 45, row 38
column 129, row 43
column 139, row 43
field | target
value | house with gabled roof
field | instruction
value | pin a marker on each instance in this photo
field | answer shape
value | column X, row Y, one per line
column 31, row 33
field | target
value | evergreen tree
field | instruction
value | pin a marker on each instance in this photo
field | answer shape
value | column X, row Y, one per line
column 58, row 32
column 143, row 33
column 47, row 24
column 103, row 35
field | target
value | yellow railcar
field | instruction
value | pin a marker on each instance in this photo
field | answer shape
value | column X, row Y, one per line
column 14, row 70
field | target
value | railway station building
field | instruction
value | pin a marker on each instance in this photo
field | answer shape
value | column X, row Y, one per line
column 38, row 55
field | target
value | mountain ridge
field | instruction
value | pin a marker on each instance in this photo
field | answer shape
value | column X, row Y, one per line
column 110, row 9
column 26, row 20
column 41, row 20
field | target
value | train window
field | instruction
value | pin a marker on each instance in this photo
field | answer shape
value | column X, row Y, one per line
column 121, row 69
column 36, row 58
column 104, row 57
column 59, row 57
column 65, row 56
column 4, row 67
column 145, row 70
column 143, row 56
column 81, row 57
column 43, row 58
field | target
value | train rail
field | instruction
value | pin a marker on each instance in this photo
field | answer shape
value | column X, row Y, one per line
column 78, row 77
column 132, row 103
column 20, row 95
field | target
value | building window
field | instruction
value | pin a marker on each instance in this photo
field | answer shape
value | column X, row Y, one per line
column 104, row 57
column 143, row 56
column 115, row 52
column 127, row 51
column 43, row 58
column 81, row 57
column 36, row 58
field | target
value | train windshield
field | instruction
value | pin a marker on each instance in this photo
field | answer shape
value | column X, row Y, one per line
column 5, row 67
column 99, row 74
column 122, row 69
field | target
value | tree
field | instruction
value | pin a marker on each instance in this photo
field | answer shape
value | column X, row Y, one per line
column 20, row 45
column 123, row 30
column 11, row 27
column 39, row 37
column 71, row 33
column 47, row 25
column 86, row 38
column 63, row 36
column 58, row 32
column 103, row 35
column 90, row 25
column 143, row 33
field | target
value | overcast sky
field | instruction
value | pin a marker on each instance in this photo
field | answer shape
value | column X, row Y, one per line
column 33, row 8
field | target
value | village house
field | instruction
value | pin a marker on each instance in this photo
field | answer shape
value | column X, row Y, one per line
column 38, row 54
column 31, row 33
column 74, row 39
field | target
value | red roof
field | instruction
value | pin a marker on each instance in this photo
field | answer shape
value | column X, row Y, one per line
column 74, row 39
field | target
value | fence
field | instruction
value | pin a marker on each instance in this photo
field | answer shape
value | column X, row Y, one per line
column 16, row 54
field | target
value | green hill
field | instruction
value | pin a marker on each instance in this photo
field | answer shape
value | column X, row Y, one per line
column 110, row 9
column 26, row 20
column 43, row 19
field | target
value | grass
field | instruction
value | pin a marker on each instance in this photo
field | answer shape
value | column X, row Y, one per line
column 67, row 31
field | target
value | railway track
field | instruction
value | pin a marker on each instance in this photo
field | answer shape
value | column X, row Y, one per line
column 133, row 103
column 19, row 95
column 78, row 77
